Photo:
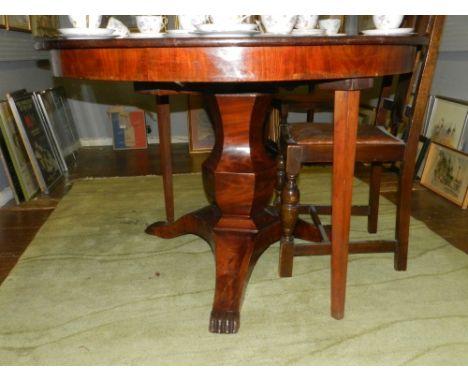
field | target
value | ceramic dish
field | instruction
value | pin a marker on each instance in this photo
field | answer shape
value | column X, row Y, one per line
column 87, row 32
column 146, row 35
column 226, row 33
column 308, row 32
column 388, row 32
column 217, row 28
column 179, row 32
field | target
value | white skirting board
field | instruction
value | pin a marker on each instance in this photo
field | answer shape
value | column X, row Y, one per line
column 106, row 141
column 5, row 196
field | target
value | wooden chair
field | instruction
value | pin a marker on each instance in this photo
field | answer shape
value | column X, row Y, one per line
column 318, row 99
column 313, row 143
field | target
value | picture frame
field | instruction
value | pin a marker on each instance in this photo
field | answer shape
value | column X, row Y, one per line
column 463, row 145
column 201, row 131
column 45, row 25
column 446, row 173
column 423, row 146
column 50, row 133
column 128, row 126
column 36, row 140
column 8, row 170
column 3, row 22
column 54, row 108
column 365, row 22
column 446, row 121
column 17, row 152
column 20, row 23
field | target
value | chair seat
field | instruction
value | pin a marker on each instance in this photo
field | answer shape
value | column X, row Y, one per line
column 316, row 141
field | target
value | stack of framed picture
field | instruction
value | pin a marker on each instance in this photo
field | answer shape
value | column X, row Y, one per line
column 128, row 126
column 39, row 141
column 443, row 159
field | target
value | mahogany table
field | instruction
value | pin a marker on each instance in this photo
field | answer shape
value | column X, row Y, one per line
column 237, row 77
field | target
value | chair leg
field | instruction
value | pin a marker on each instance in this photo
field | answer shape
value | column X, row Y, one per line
column 403, row 218
column 289, row 214
column 344, row 150
column 374, row 194
column 280, row 174
column 165, row 152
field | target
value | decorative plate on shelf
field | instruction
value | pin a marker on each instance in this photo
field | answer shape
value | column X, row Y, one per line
column 146, row 35
column 180, row 33
column 226, row 33
column 308, row 32
column 219, row 28
column 87, row 33
column 388, row 32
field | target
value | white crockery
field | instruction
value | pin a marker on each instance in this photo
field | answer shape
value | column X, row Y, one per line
column 188, row 22
column 118, row 26
column 228, row 20
column 278, row 24
column 85, row 21
column 387, row 21
column 216, row 28
column 150, row 24
column 306, row 21
column 331, row 26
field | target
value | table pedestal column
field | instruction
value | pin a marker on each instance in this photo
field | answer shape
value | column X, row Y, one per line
column 239, row 178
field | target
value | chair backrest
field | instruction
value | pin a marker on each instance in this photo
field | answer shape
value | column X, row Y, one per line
column 411, row 90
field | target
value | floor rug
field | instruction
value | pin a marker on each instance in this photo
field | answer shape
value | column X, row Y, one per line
column 94, row 289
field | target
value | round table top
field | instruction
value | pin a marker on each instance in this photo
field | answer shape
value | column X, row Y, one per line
column 256, row 59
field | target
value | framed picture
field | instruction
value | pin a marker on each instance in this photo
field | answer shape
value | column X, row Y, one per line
column 17, row 152
column 20, row 23
column 365, row 22
column 423, row 146
column 9, row 171
column 446, row 173
column 3, row 23
column 446, row 121
column 463, row 145
column 201, row 132
column 52, row 105
column 45, row 25
column 427, row 115
column 50, row 133
column 36, row 140
column 128, row 128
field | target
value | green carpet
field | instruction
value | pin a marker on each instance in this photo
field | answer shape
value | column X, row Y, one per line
column 94, row 289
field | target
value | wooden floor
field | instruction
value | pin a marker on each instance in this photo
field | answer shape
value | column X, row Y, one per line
column 19, row 224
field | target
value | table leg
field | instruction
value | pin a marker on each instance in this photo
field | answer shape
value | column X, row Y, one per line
column 165, row 153
column 344, row 151
column 239, row 179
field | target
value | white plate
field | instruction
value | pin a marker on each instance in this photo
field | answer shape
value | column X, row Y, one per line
column 308, row 32
column 145, row 35
column 217, row 28
column 388, row 32
column 180, row 32
column 226, row 34
column 87, row 32
column 336, row 34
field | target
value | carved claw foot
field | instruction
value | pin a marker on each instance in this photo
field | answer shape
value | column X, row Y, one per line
column 224, row 322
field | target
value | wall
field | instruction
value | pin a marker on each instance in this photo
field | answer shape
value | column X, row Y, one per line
column 20, row 67
column 451, row 79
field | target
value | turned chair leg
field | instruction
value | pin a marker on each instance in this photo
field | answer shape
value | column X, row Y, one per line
column 280, row 175
column 289, row 214
column 374, row 195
